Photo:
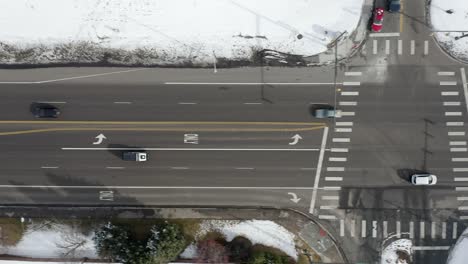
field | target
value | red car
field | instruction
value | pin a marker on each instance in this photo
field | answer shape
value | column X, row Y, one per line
column 378, row 19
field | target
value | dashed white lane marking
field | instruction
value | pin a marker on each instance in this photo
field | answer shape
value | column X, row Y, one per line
column 252, row 103
column 453, row 113
column 51, row 102
column 460, row 179
column 337, row 159
column 349, row 93
column 446, row 73
column 385, row 229
column 115, row 168
column 444, row 230
column 343, row 130
column 338, row 150
column 344, row 123
column 390, row 34
column 448, row 83
column 387, row 46
column 244, row 168
column 412, row 48
column 431, row 247
column 458, row 149
column 179, row 168
column 456, row 133
column 353, row 228
column 452, row 103
column 331, row 188
column 374, row 228
column 457, row 143
column 374, row 47
column 331, row 197
column 348, row 113
column 460, row 159
column 327, row 217
column 398, row 229
column 454, row 230
column 353, row 73
column 411, row 230
column 342, row 227
column 333, row 178
column 347, row 103
column 187, row 103
column 335, row 168
column 449, row 93
column 49, row 167
column 351, row 83
column 465, row 86
column 460, row 169
column 455, row 123
column 426, row 47
column 422, row 231
column 363, row 228
column 433, row 230
column 328, row 207
column 341, row 140
column 400, row 47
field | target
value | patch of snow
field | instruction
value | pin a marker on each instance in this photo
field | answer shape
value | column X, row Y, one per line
column 389, row 254
column 264, row 232
column 459, row 253
column 190, row 252
column 451, row 16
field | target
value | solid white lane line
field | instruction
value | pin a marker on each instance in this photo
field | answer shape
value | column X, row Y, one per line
column 454, row 230
column 49, row 167
column 426, row 47
column 453, row 113
column 344, row 123
column 452, row 103
column 422, row 230
column 342, row 227
column 115, row 168
column 387, row 46
column 338, row 150
column 327, row 217
column 446, row 73
column 245, row 83
column 330, row 197
column 445, row 83
column 349, row 93
column 337, row 159
column 252, row 103
column 460, row 169
column 411, row 230
column 460, row 159
column 465, row 86
column 431, row 247
column 444, row 230
column 455, row 123
column 456, row 133
column 460, row 179
column 244, row 168
column 124, row 102
column 347, row 103
column 343, row 130
column 319, row 170
column 374, row 47
column 363, row 228
column 348, row 113
column 341, row 140
column 433, row 230
column 398, row 229
column 179, row 168
column 352, row 231
column 157, row 187
column 333, row 178
column 335, row 169
column 457, row 143
column 374, row 228
column 452, row 93
column 385, row 229
column 328, row 207
column 458, row 149
column 353, row 73
column 412, row 47
column 187, row 103
column 51, row 102
column 400, row 47
column 391, row 34
column 351, row 83
column 331, row 188
column 194, row 149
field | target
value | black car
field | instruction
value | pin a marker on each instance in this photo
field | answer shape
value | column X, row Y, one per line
column 47, row 112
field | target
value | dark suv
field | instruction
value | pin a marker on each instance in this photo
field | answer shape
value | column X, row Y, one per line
column 46, row 112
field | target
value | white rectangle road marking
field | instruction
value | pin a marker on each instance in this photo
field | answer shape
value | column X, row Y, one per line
column 253, row 103
column 328, row 207
column 124, row 103
column 343, row 130
column 49, row 167
column 374, row 46
column 452, row 103
column 353, row 73
column 444, row 230
column 347, row 103
column 400, row 47
column 374, row 228
column 385, row 229
column 446, row 73
column 454, row 230
column 349, row 93
column 341, row 140
column 330, row 197
column 363, row 228
column 433, row 230
column 390, row 34
column 451, row 93
column 348, row 113
column 457, row 143
column 179, row 168
column 337, row 159
column 460, row 159
column 344, row 123
column 340, row 150
column 463, row 208
column 352, row 230
column 412, row 47
column 331, row 188
column 462, row 198
column 460, row 179
column 461, row 189
column 327, row 217
column 456, row 133
column 351, row 83
column 342, row 227
column 426, row 47
column 465, row 86
column 448, row 83
column 422, row 230
column 455, row 123
column 319, row 170
column 335, row 169
column 398, row 229
column 411, row 230
column 387, row 46
column 463, row 217
column 333, row 178
column 453, row 113
column 458, row 149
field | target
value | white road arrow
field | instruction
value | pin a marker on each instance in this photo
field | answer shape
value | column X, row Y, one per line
column 295, row 139
column 294, row 199
column 100, row 138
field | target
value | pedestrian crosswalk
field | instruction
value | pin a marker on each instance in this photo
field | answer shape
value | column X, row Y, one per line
column 395, row 46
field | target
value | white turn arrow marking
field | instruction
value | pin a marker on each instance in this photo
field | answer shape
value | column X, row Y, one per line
column 100, row 138
column 295, row 139
column 294, row 199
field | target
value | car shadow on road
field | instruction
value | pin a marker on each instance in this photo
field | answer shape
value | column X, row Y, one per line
column 118, row 149
column 405, row 174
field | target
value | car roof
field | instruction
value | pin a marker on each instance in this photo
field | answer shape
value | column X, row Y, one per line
column 423, row 179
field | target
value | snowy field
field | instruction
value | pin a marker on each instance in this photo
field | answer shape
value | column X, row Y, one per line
column 168, row 31
column 451, row 15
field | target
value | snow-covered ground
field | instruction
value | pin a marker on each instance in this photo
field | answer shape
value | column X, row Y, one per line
column 168, row 31
column 396, row 252
column 459, row 253
column 451, row 15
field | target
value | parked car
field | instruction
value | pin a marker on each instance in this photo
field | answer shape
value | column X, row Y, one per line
column 423, row 179
column 394, row 5
column 377, row 22
column 326, row 111
column 46, row 112
column 134, row 156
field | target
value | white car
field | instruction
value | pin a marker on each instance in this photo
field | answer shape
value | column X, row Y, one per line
column 423, row 179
